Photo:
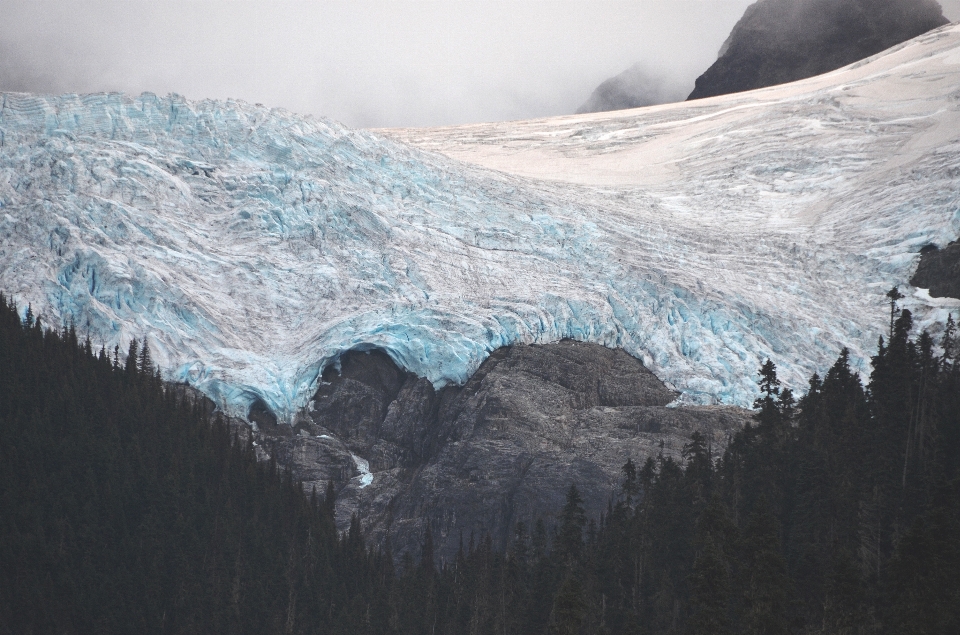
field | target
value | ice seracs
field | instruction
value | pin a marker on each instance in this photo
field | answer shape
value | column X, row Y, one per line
column 252, row 246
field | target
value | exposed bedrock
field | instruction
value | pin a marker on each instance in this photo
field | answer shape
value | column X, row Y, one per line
column 500, row 449
column 939, row 270
column 779, row 41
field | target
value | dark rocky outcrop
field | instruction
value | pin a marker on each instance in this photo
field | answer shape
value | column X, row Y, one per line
column 478, row 458
column 633, row 88
column 260, row 414
column 939, row 270
column 779, row 41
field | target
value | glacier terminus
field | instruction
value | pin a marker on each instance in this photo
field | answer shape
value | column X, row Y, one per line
column 253, row 247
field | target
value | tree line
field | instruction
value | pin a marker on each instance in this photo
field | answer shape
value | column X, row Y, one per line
column 126, row 507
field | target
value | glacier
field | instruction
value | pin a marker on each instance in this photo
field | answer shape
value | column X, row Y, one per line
column 252, row 247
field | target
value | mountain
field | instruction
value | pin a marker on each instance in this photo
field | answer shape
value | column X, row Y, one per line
column 456, row 329
column 827, row 160
column 478, row 458
column 857, row 166
column 176, row 527
column 254, row 247
column 633, row 88
column 780, row 41
column 371, row 299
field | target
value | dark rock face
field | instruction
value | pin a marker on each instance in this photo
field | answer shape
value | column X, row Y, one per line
column 633, row 88
column 939, row 271
column 779, row 41
column 503, row 448
column 260, row 414
column 352, row 404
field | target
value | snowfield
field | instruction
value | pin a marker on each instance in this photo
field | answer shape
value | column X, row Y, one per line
column 253, row 246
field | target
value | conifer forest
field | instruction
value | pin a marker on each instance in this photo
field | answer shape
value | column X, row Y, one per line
column 126, row 506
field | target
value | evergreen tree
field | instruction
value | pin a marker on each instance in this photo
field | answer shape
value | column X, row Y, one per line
column 569, row 607
column 948, row 341
column 710, row 591
column 572, row 521
column 894, row 295
column 699, row 466
column 132, row 365
column 764, row 581
column 128, row 508
column 843, row 609
column 924, row 591
column 631, row 486
column 145, row 363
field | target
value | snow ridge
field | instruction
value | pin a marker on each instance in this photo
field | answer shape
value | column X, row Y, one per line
column 252, row 247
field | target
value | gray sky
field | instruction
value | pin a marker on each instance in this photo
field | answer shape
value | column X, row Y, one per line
column 363, row 62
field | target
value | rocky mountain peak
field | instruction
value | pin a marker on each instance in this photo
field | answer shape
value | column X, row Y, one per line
column 780, row 41
column 635, row 87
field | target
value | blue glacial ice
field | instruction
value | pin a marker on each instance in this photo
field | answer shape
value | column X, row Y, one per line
column 252, row 247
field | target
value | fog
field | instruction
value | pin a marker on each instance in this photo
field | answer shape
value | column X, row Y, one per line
column 365, row 63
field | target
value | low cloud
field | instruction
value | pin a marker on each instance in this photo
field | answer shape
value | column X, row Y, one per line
column 366, row 63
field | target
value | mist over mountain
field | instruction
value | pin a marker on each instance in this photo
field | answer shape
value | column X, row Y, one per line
column 780, row 41
column 635, row 87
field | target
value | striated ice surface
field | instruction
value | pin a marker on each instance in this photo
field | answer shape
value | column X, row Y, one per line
column 252, row 246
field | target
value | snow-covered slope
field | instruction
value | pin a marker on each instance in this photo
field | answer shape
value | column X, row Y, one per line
column 253, row 246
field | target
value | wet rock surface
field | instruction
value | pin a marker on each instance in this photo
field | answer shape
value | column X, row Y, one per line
column 780, row 41
column 478, row 458
column 939, row 271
